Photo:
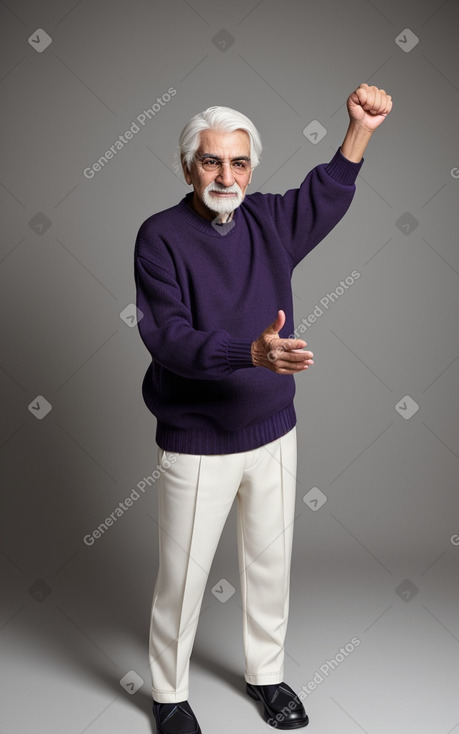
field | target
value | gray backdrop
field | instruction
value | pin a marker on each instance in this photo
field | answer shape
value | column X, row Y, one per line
column 376, row 549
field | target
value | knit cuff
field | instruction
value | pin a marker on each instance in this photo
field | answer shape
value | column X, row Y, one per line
column 239, row 352
column 343, row 170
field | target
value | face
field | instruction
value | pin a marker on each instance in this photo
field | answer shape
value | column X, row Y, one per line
column 219, row 188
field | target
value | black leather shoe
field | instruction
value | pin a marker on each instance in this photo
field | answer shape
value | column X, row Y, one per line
column 282, row 707
column 175, row 718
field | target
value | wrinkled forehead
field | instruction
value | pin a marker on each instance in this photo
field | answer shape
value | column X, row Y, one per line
column 224, row 144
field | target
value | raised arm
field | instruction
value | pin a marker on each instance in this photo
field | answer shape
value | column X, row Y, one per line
column 368, row 107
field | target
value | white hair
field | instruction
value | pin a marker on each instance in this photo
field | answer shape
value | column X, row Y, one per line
column 216, row 118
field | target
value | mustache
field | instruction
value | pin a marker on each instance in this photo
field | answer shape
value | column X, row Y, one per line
column 234, row 189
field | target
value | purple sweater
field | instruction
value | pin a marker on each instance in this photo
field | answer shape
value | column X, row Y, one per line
column 206, row 297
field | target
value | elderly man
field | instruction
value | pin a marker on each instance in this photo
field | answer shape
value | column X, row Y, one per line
column 211, row 273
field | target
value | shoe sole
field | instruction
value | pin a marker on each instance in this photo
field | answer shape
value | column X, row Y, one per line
column 276, row 724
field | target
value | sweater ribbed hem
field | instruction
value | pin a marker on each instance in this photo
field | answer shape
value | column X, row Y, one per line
column 198, row 441
column 343, row 170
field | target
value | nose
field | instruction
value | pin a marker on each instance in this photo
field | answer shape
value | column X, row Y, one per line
column 225, row 176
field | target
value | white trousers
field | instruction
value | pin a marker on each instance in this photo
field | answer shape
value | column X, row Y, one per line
column 195, row 496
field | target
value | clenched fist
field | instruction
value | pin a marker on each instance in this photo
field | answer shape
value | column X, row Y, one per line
column 284, row 356
column 369, row 106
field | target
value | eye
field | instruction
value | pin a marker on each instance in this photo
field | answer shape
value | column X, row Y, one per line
column 241, row 168
column 210, row 163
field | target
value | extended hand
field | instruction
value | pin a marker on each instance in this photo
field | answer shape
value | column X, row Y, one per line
column 369, row 106
column 284, row 356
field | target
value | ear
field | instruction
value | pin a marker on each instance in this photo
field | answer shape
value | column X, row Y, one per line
column 250, row 177
column 186, row 172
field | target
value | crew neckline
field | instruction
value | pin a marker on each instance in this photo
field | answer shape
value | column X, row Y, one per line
column 204, row 225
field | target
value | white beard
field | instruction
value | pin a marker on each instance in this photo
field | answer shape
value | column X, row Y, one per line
column 222, row 206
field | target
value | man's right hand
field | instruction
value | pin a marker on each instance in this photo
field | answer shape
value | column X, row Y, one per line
column 284, row 356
